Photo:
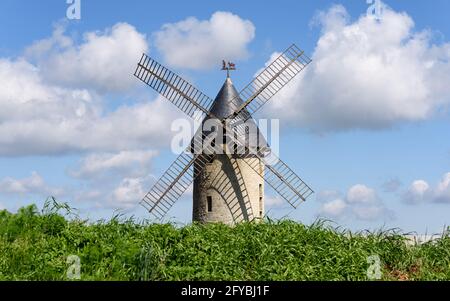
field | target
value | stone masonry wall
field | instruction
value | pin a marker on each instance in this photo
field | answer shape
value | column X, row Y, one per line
column 234, row 188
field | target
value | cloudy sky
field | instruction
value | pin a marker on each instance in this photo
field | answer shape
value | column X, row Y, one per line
column 366, row 125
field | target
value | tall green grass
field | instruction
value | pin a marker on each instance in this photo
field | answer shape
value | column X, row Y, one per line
column 34, row 245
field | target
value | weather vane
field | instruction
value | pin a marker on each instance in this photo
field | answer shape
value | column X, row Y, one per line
column 228, row 66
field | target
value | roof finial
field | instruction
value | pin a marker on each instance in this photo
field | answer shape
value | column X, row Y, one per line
column 229, row 66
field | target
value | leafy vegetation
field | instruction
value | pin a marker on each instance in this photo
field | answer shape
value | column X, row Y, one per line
column 35, row 245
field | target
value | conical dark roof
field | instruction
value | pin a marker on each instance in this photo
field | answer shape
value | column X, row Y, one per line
column 226, row 103
column 223, row 106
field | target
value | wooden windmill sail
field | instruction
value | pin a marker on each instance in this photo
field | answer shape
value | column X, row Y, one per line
column 228, row 186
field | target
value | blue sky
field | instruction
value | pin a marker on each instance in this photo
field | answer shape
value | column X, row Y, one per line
column 366, row 125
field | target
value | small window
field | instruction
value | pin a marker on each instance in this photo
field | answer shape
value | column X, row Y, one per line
column 209, row 201
column 224, row 135
column 261, row 206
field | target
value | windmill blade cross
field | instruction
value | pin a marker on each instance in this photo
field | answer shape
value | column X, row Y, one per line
column 270, row 81
column 177, row 90
column 190, row 100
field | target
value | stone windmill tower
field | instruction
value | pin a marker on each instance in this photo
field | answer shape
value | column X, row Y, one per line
column 229, row 190
column 228, row 161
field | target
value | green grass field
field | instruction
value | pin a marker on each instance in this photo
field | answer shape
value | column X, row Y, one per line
column 35, row 245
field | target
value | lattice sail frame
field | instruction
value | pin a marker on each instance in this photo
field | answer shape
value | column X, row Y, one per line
column 178, row 91
column 178, row 177
column 269, row 82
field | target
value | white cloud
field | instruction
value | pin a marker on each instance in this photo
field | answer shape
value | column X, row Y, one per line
column 367, row 75
column 41, row 48
column 32, row 185
column 113, row 193
column 104, row 61
column 442, row 191
column 129, row 192
column 371, row 212
column 119, row 193
column 392, row 185
column 45, row 109
column 360, row 202
column 361, row 194
column 114, row 180
column 334, row 208
column 44, row 112
column 197, row 44
column 274, row 201
column 136, row 163
column 418, row 192
column 421, row 191
column 38, row 118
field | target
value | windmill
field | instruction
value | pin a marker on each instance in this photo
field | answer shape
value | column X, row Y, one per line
column 228, row 169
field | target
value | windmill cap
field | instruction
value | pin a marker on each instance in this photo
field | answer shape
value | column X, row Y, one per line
column 228, row 102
